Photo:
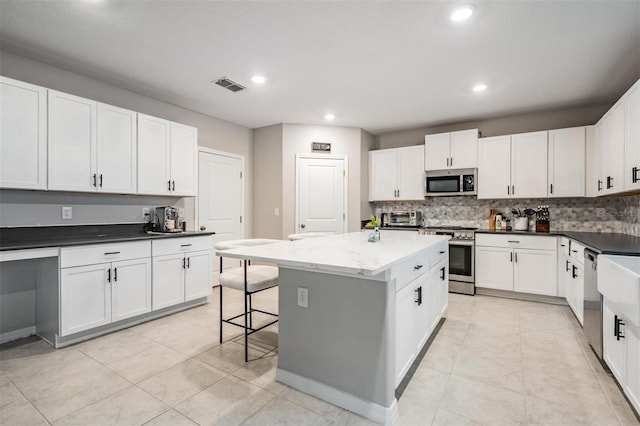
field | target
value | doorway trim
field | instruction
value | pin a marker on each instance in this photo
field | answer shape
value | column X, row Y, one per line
column 196, row 207
column 345, row 183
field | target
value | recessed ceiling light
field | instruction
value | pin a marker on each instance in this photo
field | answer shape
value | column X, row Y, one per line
column 462, row 13
column 329, row 116
column 479, row 87
column 258, row 79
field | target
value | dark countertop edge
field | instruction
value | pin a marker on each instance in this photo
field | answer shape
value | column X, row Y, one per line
column 580, row 236
column 35, row 244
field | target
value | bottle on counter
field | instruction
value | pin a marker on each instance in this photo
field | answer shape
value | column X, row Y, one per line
column 498, row 222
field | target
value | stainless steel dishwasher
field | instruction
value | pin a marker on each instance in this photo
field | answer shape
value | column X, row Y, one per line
column 592, row 302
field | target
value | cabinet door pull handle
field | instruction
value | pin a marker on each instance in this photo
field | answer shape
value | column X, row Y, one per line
column 511, row 257
column 617, row 322
column 609, row 182
column 551, row 188
column 415, row 268
column 111, row 252
column 516, row 257
column 513, row 190
column 442, row 273
column 100, row 180
column 566, row 266
column 451, row 162
column 634, row 175
column 573, row 271
column 94, row 179
column 109, row 275
column 574, row 251
column 599, row 185
column 562, row 245
column 184, row 263
column 169, row 183
column 188, row 262
column 508, row 190
column 115, row 274
column 419, row 299
column 514, row 241
column 173, row 185
column 442, row 252
column 398, row 193
column 186, row 245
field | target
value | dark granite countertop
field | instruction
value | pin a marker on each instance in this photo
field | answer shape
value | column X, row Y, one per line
column 601, row 242
column 62, row 236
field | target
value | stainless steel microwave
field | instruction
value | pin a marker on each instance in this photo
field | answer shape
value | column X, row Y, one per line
column 451, row 182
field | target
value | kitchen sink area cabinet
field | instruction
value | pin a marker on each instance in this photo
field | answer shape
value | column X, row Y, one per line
column 182, row 270
column 614, row 345
column 523, row 264
column 396, row 174
column 167, row 164
column 23, row 138
column 103, row 283
column 567, row 160
column 457, row 150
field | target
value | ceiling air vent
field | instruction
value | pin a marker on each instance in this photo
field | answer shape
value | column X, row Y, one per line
column 227, row 83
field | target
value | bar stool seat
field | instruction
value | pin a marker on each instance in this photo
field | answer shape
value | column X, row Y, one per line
column 259, row 277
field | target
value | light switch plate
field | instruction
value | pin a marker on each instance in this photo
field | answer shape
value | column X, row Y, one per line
column 67, row 213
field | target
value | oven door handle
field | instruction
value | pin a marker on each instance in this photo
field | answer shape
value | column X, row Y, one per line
column 461, row 243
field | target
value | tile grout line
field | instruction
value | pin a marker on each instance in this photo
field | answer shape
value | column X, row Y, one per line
column 28, row 400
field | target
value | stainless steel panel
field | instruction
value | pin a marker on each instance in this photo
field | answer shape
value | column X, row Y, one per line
column 592, row 302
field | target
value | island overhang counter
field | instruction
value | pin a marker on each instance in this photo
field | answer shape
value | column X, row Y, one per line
column 371, row 308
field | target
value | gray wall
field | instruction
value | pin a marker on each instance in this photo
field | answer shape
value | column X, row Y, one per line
column 506, row 125
column 267, row 181
column 212, row 133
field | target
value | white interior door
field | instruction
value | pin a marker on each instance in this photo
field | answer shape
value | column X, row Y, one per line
column 221, row 198
column 320, row 194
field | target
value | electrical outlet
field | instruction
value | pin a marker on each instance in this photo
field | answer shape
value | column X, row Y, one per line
column 67, row 212
column 181, row 211
column 303, row 297
column 145, row 211
column 276, row 212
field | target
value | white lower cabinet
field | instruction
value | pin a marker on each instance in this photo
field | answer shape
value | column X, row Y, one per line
column 182, row 270
column 100, row 284
column 621, row 351
column 421, row 300
column 526, row 264
column 85, row 296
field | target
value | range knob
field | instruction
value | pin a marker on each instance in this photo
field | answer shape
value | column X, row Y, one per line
column 456, row 235
column 464, row 235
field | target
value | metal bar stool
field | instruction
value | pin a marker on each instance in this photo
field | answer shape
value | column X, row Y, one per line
column 250, row 279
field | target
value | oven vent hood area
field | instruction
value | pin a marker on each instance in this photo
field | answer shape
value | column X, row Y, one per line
column 451, row 182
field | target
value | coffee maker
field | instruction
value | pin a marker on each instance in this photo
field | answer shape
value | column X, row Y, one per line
column 168, row 219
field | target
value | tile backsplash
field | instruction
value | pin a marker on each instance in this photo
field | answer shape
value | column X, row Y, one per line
column 610, row 214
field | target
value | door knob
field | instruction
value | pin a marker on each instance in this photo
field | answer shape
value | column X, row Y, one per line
column 202, row 228
column 303, row 226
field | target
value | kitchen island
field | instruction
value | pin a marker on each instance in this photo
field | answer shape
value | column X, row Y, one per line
column 370, row 309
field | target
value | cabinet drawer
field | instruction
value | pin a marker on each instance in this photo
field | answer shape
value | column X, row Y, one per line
column 439, row 253
column 410, row 269
column 181, row 245
column 102, row 253
column 517, row 241
column 576, row 252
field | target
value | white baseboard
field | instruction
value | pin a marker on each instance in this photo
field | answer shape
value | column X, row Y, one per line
column 368, row 409
column 17, row 334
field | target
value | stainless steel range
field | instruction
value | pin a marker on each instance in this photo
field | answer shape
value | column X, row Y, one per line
column 461, row 257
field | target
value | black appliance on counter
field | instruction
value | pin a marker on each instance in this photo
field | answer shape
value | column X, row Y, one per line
column 461, row 256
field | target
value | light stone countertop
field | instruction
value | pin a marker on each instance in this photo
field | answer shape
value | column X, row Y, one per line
column 348, row 254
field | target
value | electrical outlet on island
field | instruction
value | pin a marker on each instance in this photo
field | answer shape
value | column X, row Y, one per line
column 303, row 297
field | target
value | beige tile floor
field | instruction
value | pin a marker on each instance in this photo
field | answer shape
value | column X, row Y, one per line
column 495, row 361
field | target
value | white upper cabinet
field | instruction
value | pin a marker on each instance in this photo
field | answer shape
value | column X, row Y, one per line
column 72, row 142
column 153, row 155
column 494, row 167
column 184, row 159
column 457, row 150
column 116, row 150
column 591, row 162
column 618, row 146
column 166, row 157
column 23, row 135
column 513, row 166
column 396, row 174
column 529, row 165
column 92, row 146
column 632, row 140
column 567, row 159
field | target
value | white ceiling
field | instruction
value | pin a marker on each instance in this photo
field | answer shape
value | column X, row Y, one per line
column 379, row 65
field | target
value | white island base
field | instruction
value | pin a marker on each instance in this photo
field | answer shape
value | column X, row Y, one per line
column 371, row 308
